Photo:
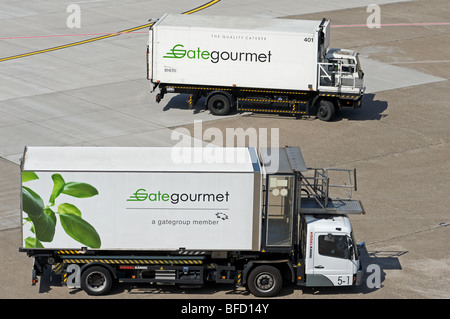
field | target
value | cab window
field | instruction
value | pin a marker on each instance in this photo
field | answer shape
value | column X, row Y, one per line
column 334, row 246
column 349, row 66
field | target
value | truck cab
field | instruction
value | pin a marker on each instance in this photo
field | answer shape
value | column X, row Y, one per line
column 331, row 258
column 341, row 72
column 306, row 210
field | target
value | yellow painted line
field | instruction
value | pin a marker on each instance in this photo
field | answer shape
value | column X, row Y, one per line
column 206, row 5
column 74, row 43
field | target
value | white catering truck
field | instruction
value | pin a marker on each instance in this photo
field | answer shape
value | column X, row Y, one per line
column 253, row 64
column 100, row 215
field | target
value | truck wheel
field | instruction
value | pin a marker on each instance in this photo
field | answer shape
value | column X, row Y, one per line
column 265, row 281
column 326, row 110
column 219, row 104
column 96, row 281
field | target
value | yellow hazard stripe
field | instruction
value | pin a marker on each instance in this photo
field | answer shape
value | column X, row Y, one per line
column 270, row 91
column 340, row 96
column 70, row 252
column 230, row 89
column 133, row 261
column 332, row 95
column 272, row 101
column 272, row 111
column 197, row 88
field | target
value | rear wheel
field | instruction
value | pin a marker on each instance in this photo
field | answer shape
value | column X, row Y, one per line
column 219, row 104
column 326, row 110
column 265, row 281
column 96, row 280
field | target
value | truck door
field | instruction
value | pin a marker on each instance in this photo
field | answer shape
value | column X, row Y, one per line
column 279, row 214
column 332, row 258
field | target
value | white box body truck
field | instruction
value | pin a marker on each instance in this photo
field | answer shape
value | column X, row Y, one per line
column 184, row 216
column 252, row 64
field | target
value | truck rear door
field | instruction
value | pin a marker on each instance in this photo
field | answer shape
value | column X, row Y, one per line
column 331, row 258
column 149, row 55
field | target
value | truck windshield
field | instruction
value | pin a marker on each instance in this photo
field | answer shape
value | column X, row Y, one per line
column 355, row 248
column 358, row 67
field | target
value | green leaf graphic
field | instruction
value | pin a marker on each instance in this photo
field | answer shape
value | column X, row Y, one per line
column 50, row 213
column 58, row 186
column 69, row 209
column 31, row 242
column 44, row 223
column 80, row 190
column 80, row 230
column 28, row 176
column 33, row 204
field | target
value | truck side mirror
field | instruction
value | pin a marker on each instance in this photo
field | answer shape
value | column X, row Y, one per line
column 350, row 248
column 360, row 246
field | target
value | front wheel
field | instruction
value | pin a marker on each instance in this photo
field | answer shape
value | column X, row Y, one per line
column 265, row 281
column 326, row 110
column 96, row 281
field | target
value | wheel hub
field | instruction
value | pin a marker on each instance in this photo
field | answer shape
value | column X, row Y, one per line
column 264, row 282
column 96, row 281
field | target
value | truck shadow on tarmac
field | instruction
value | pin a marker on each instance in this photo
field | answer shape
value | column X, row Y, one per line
column 181, row 102
column 374, row 263
column 371, row 110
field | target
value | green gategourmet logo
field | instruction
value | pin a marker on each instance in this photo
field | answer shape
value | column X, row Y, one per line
column 142, row 195
column 178, row 52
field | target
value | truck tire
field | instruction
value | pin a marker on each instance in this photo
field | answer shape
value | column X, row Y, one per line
column 96, row 280
column 265, row 281
column 326, row 111
column 219, row 104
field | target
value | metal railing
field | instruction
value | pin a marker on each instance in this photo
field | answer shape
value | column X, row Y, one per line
column 334, row 75
column 318, row 185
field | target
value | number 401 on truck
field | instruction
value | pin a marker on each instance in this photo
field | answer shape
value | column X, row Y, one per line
column 279, row 66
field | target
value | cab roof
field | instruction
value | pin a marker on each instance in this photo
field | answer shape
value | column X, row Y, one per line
column 340, row 53
column 325, row 223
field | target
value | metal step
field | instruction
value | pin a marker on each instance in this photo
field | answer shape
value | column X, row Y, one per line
column 165, row 275
column 335, row 206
